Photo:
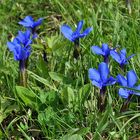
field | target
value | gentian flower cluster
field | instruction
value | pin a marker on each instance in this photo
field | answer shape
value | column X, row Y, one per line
column 21, row 45
column 128, row 82
column 21, row 48
column 99, row 78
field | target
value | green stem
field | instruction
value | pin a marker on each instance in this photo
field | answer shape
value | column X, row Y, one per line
column 23, row 72
column 76, row 52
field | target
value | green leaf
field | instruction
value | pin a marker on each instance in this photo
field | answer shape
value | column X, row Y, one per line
column 68, row 96
column 42, row 80
column 84, row 92
column 56, row 76
column 27, row 96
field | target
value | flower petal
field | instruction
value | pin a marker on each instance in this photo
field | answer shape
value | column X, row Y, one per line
column 94, row 75
column 104, row 71
column 123, row 54
column 123, row 93
column 106, row 49
column 115, row 56
column 27, row 22
column 97, row 84
column 67, row 32
column 21, row 37
column 11, row 46
column 27, row 34
column 131, row 78
column 130, row 57
column 121, row 80
column 79, row 26
column 110, row 81
column 86, row 32
column 97, row 50
column 38, row 22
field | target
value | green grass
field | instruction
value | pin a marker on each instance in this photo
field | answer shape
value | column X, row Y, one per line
column 60, row 102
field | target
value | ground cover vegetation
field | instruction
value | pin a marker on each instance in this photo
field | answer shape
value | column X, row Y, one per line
column 69, row 69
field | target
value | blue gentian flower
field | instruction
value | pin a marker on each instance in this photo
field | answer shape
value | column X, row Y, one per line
column 28, row 22
column 100, row 77
column 104, row 51
column 20, row 46
column 129, row 82
column 121, row 57
column 74, row 35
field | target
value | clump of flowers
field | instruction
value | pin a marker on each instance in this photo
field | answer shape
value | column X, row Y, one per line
column 128, row 88
column 21, row 49
column 21, row 46
column 99, row 77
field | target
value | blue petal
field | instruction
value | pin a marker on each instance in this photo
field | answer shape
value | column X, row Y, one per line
column 17, row 53
column 131, row 78
column 67, row 32
column 94, row 75
column 110, row 81
column 35, row 36
column 86, row 32
column 130, row 57
column 28, row 19
column 21, row 37
column 11, row 46
column 123, row 54
column 97, row 50
column 123, row 93
column 38, row 22
column 115, row 56
column 104, row 71
column 79, row 26
column 27, row 34
column 28, row 43
column 27, row 22
column 106, row 49
column 121, row 80
column 97, row 84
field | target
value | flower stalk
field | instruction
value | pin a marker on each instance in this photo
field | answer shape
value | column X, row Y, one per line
column 76, row 51
column 102, row 99
column 125, row 105
column 22, row 73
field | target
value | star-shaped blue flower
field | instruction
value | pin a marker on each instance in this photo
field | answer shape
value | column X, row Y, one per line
column 28, row 22
column 121, row 57
column 104, row 51
column 74, row 35
column 20, row 46
column 100, row 78
column 129, row 82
